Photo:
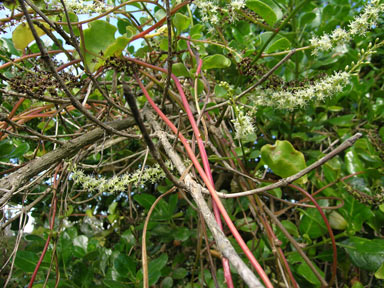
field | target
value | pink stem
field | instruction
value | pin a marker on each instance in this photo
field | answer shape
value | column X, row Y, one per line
column 203, row 175
column 207, row 169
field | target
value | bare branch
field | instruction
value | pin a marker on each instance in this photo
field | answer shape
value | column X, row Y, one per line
column 223, row 244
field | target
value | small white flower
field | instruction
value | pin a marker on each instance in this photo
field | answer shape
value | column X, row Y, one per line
column 243, row 125
column 357, row 26
column 237, row 4
column 320, row 90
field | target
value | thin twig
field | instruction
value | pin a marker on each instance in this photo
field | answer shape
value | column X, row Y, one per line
column 284, row 182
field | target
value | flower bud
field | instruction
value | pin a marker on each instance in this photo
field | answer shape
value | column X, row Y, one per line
column 337, row 221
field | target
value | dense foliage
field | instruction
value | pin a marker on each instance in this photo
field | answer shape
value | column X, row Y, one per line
column 105, row 153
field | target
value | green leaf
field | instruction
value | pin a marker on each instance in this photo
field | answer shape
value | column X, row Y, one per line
column 308, row 274
column 220, row 91
column 114, row 284
column 125, row 266
column 312, row 224
column 112, row 208
column 26, row 260
column 43, row 125
column 182, row 233
column 216, row 61
column 69, row 210
column 154, row 268
column 291, row 228
column 263, row 10
column 20, row 150
column 145, row 200
column 352, row 162
column 181, row 22
column 164, row 44
column 162, row 211
column 6, row 148
column 365, row 253
column 278, row 43
column 307, row 18
column 284, row 159
column 117, row 47
column 343, row 121
column 179, row 69
column 22, row 36
column 355, row 213
column 80, row 244
column 11, row 47
column 337, row 221
column 97, row 38
column 167, row 282
column 246, row 224
column 179, row 273
column 379, row 274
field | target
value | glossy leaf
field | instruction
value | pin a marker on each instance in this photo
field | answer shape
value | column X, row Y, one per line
column 145, row 200
column 353, row 162
column 284, row 159
column 216, row 61
column 368, row 254
column 262, row 9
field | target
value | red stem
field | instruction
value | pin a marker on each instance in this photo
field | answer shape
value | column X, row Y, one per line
column 21, row 100
column 334, row 264
column 158, row 24
column 196, row 163
column 52, row 223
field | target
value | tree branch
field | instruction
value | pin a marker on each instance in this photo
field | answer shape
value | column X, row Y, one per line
column 13, row 181
column 223, row 244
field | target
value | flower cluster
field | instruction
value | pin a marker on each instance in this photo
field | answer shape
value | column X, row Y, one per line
column 243, row 125
column 298, row 98
column 208, row 10
column 115, row 184
column 358, row 26
column 237, row 4
column 84, row 7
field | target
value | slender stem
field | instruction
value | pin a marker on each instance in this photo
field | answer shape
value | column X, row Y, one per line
column 330, row 231
column 144, row 257
column 201, row 171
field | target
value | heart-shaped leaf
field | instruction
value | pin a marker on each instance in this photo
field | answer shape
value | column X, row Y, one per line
column 22, row 36
column 93, row 46
column 181, row 22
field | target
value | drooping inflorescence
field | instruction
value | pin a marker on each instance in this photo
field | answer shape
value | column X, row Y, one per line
column 358, row 26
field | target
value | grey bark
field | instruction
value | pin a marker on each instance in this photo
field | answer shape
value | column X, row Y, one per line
column 222, row 243
column 10, row 183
